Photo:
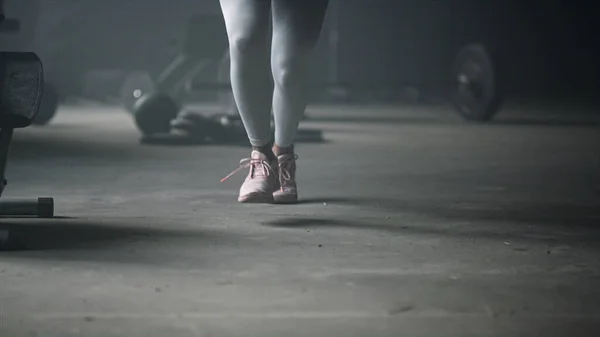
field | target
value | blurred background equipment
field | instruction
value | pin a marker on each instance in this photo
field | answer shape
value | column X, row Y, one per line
column 152, row 101
column 153, row 112
column 9, row 25
column 23, row 39
column 22, row 82
column 48, row 106
column 405, row 52
column 476, row 96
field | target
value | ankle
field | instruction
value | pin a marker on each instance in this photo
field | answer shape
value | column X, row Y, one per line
column 278, row 150
column 266, row 150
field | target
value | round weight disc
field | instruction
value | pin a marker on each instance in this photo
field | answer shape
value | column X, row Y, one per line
column 48, row 106
column 135, row 86
column 476, row 95
column 153, row 113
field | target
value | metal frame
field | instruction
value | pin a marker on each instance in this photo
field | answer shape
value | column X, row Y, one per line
column 42, row 207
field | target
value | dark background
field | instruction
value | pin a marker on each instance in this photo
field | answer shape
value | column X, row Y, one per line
column 542, row 48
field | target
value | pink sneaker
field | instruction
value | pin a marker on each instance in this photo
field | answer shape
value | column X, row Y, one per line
column 261, row 180
column 288, row 191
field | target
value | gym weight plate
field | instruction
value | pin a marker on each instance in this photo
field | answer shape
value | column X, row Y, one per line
column 476, row 90
column 153, row 113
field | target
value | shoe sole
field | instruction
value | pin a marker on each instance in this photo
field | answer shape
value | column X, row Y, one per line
column 285, row 199
column 257, row 198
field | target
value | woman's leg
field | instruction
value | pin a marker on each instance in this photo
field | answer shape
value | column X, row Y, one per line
column 296, row 29
column 247, row 24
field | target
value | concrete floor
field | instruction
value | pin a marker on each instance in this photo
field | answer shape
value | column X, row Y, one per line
column 412, row 223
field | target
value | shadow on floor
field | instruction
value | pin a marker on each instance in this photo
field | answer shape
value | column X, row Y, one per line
column 48, row 238
column 546, row 222
column 562, row 122
column 431, row 120
column 563, row 214
column 304, row 135
column 52, row 146
column 593, row 121
column 58, row 146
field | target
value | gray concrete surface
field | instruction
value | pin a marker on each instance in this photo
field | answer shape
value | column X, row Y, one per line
column 411, row 224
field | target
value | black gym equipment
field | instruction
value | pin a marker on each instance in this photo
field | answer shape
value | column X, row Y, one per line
column 154, row 102
column 153, row 112
column 205, row 41
column 476, row 93
column 21, row 89
column 48, row 106
column 171, row 85
column 21, row 80
column 2, row 16
column 152, row 108
column 216, row 128
column 10, row 25
column 50, row 102
column 194, row 128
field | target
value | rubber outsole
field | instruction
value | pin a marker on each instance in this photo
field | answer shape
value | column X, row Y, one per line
column 257, row 198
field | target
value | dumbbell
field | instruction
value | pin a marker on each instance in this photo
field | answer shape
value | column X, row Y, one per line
column 151, row 109
column 153, row 113
column 153, row 100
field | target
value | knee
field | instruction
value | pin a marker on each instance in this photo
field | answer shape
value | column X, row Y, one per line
column 244, row 43
column 289, row 71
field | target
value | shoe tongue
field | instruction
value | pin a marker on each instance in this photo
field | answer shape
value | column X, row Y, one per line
column 259, row 170
column 257, row 155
